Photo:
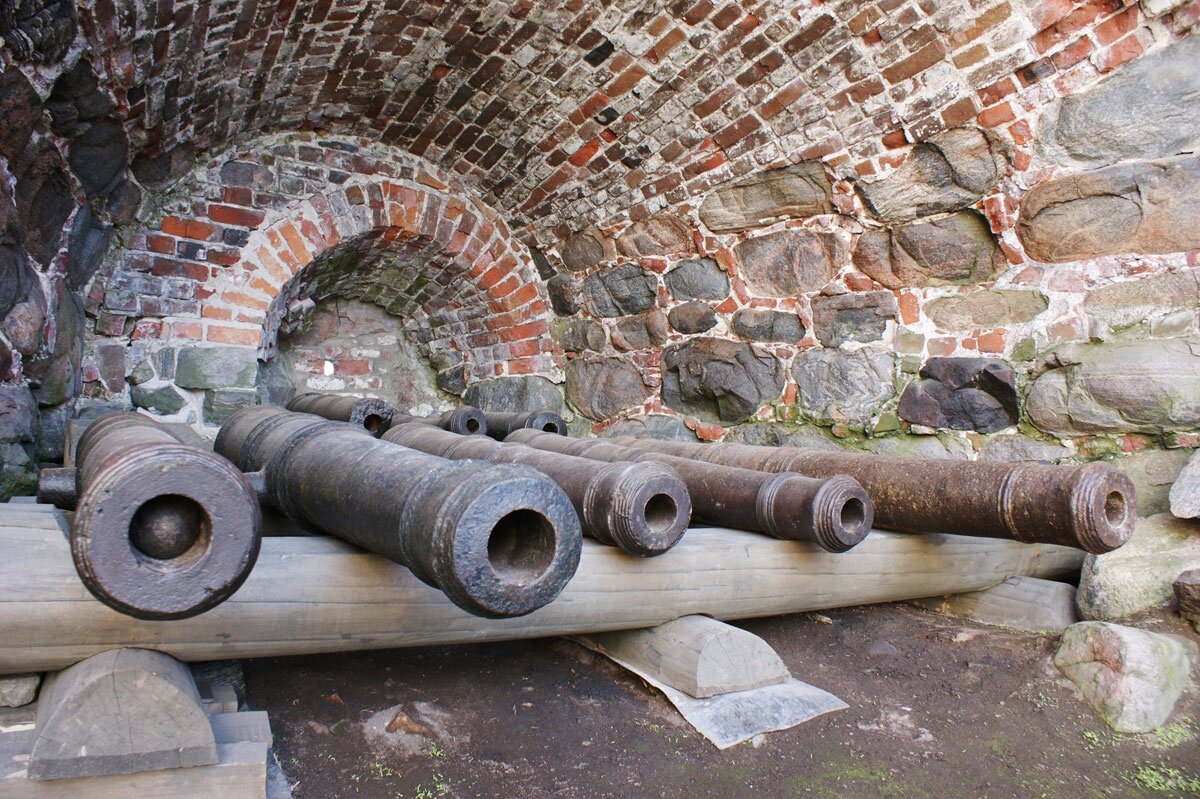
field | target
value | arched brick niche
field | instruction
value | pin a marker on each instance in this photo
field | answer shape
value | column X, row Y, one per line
column 253, row 240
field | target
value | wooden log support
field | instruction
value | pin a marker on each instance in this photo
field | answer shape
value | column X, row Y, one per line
column 1023, row 603
column 120, row 712
column 697, row 655
column 314, row 595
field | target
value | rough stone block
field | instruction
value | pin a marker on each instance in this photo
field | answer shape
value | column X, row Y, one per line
column 622, row 290
column 1132, row 677
column 603, row 387
column 220, row 404
column 763, row 324
column 663, row 234
column 1185, row 491
column 765, row 197
column 1140, row 387
column 1144, row 207
column 164, row 400
column 667, row 428
column 859, row 316
column 19, row 690
column 1138, row 576
column 1149, row 109
column 947, row 172
column 844, row 386
column 216, row 367
column 692, row 317
column 986, row 309
column 790, row 262
column 697, row 279
column 955, row 250
column 513, row 394
column 719, row 380
column 963, row 394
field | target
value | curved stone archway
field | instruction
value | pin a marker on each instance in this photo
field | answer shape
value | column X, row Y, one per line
column 290, row 221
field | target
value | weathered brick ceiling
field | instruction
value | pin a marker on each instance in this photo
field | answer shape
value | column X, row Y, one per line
column 568, row 112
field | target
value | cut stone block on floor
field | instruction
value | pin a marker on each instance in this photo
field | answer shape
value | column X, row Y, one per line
column 694, row 651
column 120, row 712
column 1023, row 603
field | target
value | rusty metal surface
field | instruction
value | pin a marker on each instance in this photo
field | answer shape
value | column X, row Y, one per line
column 1091, row 507
column 373, row 415
column 466, row 421
column 833, row 512
column 162, row 529
column 642, row 508
column 57, row 487
column 500, row 425
column 499, row 541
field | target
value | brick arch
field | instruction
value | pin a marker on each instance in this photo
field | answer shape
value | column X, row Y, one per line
column 262, row 227
column 444, row 263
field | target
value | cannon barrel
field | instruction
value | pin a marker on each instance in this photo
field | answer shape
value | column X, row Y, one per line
column 643, row 508
column 373, row 415
column 834, row 512
column 500, row 425
column 466, row 421
column 1091, row 507
column 162, row 529
column 499, row 541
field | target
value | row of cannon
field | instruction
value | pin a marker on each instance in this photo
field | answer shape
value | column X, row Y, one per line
column 490, row 508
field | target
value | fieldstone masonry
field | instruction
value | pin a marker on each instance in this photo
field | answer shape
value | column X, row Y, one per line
column 961, row 229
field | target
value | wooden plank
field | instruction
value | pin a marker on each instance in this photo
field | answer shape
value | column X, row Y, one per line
column 1024, row 603
column 697, row 655
column 311, row 595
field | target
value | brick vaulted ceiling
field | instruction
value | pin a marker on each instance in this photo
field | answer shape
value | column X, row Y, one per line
column 564, row 113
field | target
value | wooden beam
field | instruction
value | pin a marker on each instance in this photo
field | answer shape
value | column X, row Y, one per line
column 697, row 655
column 313, row 595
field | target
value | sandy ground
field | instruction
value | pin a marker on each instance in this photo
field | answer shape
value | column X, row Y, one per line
column 939, row 707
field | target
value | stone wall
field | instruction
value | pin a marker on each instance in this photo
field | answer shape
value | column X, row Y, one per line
column 962, row 229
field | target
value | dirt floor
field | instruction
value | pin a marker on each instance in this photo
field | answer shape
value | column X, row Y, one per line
column 939, row 707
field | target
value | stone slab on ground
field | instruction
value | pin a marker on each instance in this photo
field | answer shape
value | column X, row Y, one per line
column 1023, row 603
column 1132, row 677
column 1138, row 576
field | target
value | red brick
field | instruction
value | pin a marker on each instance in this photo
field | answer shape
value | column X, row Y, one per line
column 997, row 115
column 229, row 215
column 186, row 228
column 918, row 62
column 232, row 335
column 585, row 153
column 990, row 95
column 1125, row 50
column 1114, row 28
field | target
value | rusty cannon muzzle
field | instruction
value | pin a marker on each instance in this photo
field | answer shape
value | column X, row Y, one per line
column 465, row 421
column 372, row 415
column 499, row 541
column 162, row 529
column 500, row 425
column 1091, row 507
column 642, row 508
column 835, row 512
